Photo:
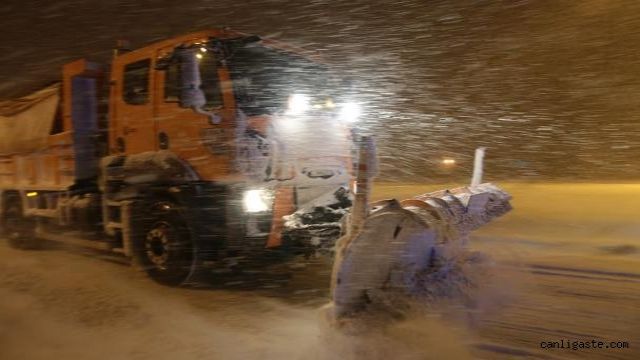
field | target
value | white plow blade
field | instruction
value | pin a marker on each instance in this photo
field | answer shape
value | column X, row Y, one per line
column 391, row 238
column 397, row 241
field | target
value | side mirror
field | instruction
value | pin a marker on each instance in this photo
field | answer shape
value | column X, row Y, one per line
column 191, row 95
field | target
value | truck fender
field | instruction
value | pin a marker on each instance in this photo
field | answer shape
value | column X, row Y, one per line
column 110, row 169
column 157, row 167
column 150, row 167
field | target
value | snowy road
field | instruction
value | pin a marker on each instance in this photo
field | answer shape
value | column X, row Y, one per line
column 570, row 271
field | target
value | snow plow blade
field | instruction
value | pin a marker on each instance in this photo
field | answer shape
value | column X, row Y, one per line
column 390, row 244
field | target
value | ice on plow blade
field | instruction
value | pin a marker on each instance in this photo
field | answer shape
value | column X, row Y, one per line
column 393, row 245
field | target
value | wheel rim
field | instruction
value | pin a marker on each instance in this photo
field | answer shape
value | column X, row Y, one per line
column 13, row 232
column 165, row 248
column 158, row 245
column 16, row 227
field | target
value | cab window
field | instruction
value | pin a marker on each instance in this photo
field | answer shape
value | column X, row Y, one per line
column 136, row 82
column 172, row 83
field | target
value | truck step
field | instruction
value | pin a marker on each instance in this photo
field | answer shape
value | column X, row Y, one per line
column 114, row 225
column 118, row 250
column 51, row 213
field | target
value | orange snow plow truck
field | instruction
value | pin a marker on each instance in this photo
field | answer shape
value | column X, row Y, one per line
column 198, row 149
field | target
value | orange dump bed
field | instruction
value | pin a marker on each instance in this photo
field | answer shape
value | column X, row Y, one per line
column 41, row 134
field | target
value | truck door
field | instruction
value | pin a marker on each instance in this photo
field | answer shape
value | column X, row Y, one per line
column 204, row 144
column 135, row 125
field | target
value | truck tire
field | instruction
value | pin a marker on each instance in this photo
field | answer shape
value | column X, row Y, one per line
column 163, row 243
column 18, row 229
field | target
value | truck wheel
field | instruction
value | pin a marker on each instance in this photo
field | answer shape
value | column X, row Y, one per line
column 165, row 247
column 18, row 229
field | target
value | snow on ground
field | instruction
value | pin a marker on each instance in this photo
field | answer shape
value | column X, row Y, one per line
column 567, row 262
column 578, row 246
column 60, row 305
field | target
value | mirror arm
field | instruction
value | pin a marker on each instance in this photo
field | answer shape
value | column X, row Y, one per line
column 214, row 118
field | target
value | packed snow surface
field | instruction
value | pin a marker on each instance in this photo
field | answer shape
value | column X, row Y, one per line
column 567, row 271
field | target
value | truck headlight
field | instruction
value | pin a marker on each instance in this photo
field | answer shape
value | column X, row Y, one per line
column 298, row 104
column 350, row 112
column 257, row 200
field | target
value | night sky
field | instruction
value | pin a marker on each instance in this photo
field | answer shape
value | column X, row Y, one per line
column 550, row 87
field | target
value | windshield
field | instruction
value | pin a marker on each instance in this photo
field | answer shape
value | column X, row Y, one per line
column 264, row 78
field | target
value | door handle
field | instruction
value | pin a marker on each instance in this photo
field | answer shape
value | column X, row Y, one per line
column 127, row 130
column 163, row 141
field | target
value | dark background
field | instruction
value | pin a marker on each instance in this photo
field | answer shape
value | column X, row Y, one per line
column 550, row 87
